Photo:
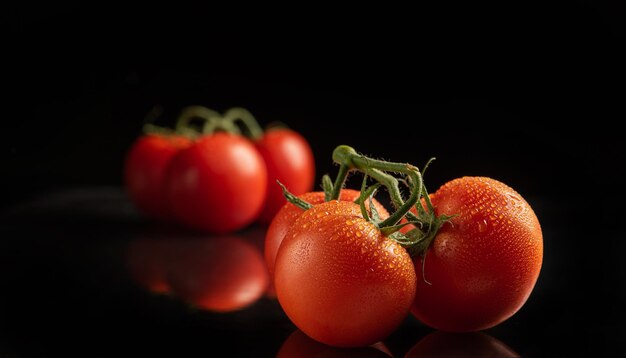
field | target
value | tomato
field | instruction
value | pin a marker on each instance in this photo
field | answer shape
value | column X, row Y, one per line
column 474, row 344
column 218, row 184
column 289, row 213
column 144, row 172
column 289, row 159
column 340, row 280
column 220, row 274
column 300, row 345
column 483, row 264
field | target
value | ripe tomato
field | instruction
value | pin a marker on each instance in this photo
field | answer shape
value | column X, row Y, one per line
column 289, row 159
column 220, row 274
column 300, row 345
column 474, row 344
column 144, row 172
column 340, row 280
column 218, row 184
column 288, row 214
column 484, row 263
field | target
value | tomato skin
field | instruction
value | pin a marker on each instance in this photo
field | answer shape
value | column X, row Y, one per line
column 483, row 265
column 288, row 214
column 340, row 280
column 289, row 159
column 144, row 172
column 218, row 184
column 220, row 274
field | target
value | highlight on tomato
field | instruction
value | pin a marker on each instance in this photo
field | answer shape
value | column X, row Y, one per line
column 287, row 155
column 347, row 277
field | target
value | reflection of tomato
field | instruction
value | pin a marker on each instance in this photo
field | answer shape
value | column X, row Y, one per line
column 299, row 344
column 220, row 274
column 289, row 159
column 483, row 264
column 144, row 172
column 340, row 280
column 146, row 261
column 474, row 344
column 289, row 213
column 218, row 184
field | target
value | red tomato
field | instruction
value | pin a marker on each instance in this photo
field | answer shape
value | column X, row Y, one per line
column 289, row 213
column 144, row 172
column 340, row 280
column 484, row 263
column 220, row 274
column 300, row 345
column 289, row 159
column 474, row 344
column 218, row 184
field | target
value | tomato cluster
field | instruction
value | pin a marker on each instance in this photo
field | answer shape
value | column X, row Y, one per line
column 347, row 273
column 216, row 180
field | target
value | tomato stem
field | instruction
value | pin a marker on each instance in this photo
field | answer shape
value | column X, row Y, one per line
column 342, row 175
column 250, row 124
column 192, row 112
column 348, row 157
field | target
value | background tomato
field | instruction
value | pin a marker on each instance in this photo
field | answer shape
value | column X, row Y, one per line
column 218, row 184
column 289, row 159
column 340, row 280
column 144, row 172
column 484, row 263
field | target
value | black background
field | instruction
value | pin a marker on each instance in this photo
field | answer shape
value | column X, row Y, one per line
column 529, row 95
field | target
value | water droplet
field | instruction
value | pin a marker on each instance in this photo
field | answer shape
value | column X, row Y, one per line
column 358, row 234
column 493, row 205
column 349, row 222
column 482, row 226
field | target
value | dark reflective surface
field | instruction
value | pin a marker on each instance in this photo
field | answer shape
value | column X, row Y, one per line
column 475, row 344
column 82, row 274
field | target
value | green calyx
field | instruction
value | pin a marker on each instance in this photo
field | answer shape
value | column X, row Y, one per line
column 426, row 222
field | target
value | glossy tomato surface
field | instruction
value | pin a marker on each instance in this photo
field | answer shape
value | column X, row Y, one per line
column 288, row 214
column 483, row 264
column 340, row 280
column 218, row 184
column 289, row 159
column 144, row 172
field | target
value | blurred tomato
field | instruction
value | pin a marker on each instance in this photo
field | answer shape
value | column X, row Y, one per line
column 289, row 159
column 144, row 172
column 218, row 184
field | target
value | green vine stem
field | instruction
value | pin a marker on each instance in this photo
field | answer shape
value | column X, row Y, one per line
column 191, row 112
column 250, row 124
column 349, row 159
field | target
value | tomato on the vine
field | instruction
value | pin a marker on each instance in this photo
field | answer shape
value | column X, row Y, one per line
column 482, row 265
column 144, row 172
column 289, row 159
column 340, row 280
column 218, row 184
column 288, row 214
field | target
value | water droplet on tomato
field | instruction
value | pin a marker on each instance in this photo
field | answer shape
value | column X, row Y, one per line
column 349, row 222
column 482, row 226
